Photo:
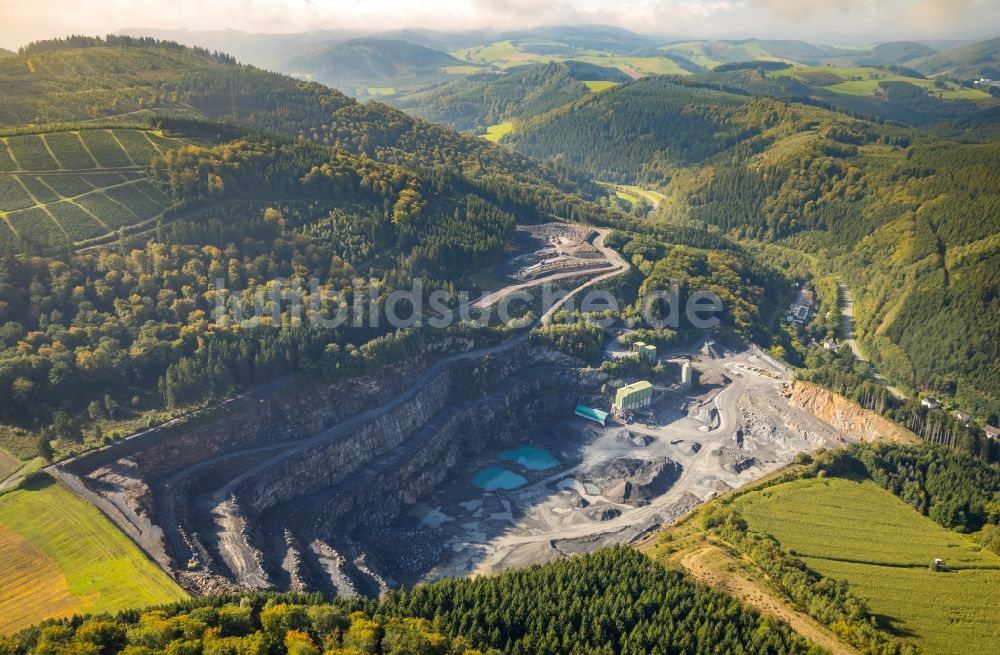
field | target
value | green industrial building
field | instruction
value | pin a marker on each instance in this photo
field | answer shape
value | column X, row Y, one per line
column 645, row 350
column 634, row 396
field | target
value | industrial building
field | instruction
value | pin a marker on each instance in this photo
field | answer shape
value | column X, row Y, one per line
column 634, row 396
column 591, row 414
column 644, row 350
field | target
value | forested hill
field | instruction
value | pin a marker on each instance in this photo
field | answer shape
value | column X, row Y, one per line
column 126, row 79
column 477, row 101
column 613, row 601
column 908, row 220
column 369, row 62
column 980, row 59
column 300, row 180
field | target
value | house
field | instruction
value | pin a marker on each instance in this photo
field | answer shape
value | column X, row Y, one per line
column 800, row 310
column 930, row 403
column 830, row 345
column 991, row 432
column 963, row 417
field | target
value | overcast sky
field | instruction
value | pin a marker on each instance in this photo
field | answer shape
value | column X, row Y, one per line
column 827, row 20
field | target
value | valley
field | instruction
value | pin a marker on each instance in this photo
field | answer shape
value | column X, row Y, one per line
column 279, row 505
column 545, row 339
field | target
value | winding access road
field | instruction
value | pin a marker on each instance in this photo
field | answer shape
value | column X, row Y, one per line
column 217, row 500
column 847, row 328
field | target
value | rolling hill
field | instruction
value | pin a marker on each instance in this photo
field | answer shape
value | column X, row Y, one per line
column 129, row 80
column 894, row 53
column 892, row 211
column 844, row 533
column 966, row 62
column 75, row 185
column 896, row 93
column 360, row 65
column 632, row 54
column 606, row 38
column 475, row 102
column 709, row 54
column 257, row 49
column 364, row 186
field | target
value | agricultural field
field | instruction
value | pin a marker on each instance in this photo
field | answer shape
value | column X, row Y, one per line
column 637, row 67
column 73, row 185
column 634, row 194
column 596, row 86
column 856, row 531
column 864, row 81
column 60, row 556
column 461, row 69
column 506, row 54
column 499, row 53
column 381, row 90
column 496, row 132
column 710, row 54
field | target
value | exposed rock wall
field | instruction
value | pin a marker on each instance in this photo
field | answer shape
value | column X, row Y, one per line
column 847, row 416
column 244, row 492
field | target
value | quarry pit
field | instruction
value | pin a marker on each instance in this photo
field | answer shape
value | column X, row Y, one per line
column 468, row 463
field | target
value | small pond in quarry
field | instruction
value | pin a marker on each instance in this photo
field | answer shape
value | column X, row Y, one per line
column 530, row 458
column 492, row 478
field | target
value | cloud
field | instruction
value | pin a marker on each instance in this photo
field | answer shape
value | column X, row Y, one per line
column 24, row 20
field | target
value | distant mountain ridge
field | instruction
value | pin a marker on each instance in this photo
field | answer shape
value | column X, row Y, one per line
column 922, row 263
column 368, row 62
column 895, row 52
column 980, row 59
column 477, row 101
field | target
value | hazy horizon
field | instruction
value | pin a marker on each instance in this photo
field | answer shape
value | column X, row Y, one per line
column 849, row 22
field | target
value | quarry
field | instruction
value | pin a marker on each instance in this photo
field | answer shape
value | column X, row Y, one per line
column 463, row 463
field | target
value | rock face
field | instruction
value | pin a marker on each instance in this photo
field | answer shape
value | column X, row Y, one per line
column 635, row 481
column 850, row 418
column 267, row 492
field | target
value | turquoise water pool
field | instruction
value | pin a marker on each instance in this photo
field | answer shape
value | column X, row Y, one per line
column 531, row 458
column 492, row 478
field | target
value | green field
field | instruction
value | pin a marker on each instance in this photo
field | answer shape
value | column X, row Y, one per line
column 505, row 54
column 633, row 194
column 710, row 54
column 60, row 556
column 636, row 66
column 462, row 69
column 496, row 132
column 864, row 81
column 499, row 53
column 596, row 86
column 74, row 185
column 695, row 52
column 856, row 531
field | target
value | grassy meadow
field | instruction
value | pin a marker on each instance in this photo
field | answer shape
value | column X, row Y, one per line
column 60, row 556
column 507, row 54
column 596, row 86
column 496, row 132
column 856, row 531
column 635, row 194
column 864, row 81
